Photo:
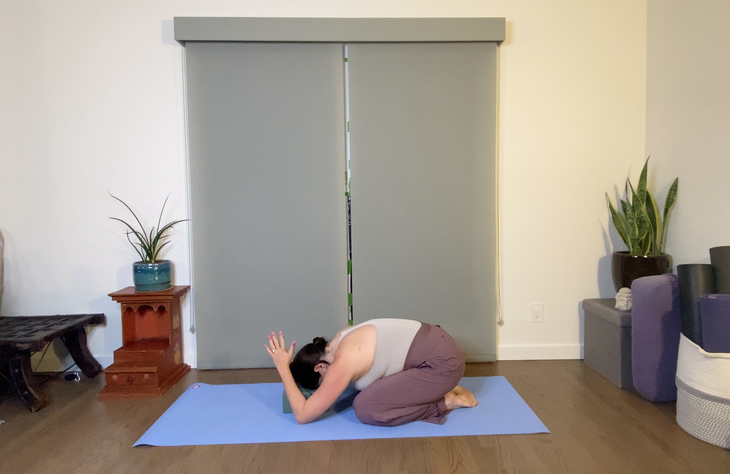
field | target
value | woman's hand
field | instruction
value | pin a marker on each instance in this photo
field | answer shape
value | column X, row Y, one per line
column 278, row 352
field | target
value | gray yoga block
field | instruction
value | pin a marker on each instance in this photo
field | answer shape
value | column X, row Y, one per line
column 344, row 401
column 607, row 341
column 286, row 406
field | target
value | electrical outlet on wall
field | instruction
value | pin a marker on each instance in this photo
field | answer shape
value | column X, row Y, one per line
column 536, row 312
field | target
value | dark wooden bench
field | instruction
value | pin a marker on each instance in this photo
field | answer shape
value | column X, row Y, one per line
column 21, row 336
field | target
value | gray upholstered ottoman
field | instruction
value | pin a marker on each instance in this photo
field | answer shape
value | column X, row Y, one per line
column 607, row 341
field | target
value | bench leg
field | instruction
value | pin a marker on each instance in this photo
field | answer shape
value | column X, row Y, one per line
column 76, row 344
column 25, row 382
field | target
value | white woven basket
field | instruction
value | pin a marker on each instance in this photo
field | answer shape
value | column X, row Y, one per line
column 703, row 393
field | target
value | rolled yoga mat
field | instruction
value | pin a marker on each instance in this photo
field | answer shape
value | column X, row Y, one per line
column 720, row 260
column 715, row 323
column 695, row 280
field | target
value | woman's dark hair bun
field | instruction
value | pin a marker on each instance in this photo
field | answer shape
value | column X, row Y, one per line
column 302, row 367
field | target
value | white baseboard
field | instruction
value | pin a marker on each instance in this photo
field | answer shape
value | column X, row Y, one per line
column 106, row 360
column 191, row 360
column 52, row 363
column 539, row 352
column 504, row 352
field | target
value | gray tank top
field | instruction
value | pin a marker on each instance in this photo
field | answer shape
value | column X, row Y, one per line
column 392, row 341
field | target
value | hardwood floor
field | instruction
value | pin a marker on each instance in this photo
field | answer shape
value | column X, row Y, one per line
column 595, row 428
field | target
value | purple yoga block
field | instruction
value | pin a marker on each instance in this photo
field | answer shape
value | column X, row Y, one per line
column 715, row 314
column 656, row 326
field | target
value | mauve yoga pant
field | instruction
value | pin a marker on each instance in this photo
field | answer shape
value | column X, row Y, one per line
column 433, row 367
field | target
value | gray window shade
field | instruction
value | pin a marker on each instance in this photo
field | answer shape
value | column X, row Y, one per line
column 422, row 131
column 339, row 30
column 266, row 137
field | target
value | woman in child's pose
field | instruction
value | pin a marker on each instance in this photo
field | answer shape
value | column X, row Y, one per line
column 405, row 370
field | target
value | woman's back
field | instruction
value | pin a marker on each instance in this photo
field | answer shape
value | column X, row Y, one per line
column 377, row 348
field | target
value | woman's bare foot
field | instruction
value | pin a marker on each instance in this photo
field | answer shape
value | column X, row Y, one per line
column 460, row 397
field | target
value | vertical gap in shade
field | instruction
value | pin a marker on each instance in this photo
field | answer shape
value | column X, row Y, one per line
column 186, row 139
column 350, row 316
column 497, row 179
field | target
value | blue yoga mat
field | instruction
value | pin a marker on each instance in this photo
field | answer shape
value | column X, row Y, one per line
column 241, row 414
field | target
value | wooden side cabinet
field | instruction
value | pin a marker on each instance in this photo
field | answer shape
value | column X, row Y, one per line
column 150, row 360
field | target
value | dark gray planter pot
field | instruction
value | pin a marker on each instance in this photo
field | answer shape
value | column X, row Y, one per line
column 626, row 268
column 152, row 276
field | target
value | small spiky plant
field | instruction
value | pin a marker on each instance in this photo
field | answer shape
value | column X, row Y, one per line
column 147, row 244
column 640, row 225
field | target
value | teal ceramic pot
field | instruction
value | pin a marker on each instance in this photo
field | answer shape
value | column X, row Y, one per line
column 152, row 276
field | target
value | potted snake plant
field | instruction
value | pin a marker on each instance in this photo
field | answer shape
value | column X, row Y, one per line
column 644, row 231
column 150, row 273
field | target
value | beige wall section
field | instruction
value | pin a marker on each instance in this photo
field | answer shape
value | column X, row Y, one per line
column 688, row 119
column 572, row 104
column 91, row 101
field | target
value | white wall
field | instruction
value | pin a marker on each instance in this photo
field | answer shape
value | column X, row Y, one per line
column 688, row 119
column 91, row 101
column 572, row 105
